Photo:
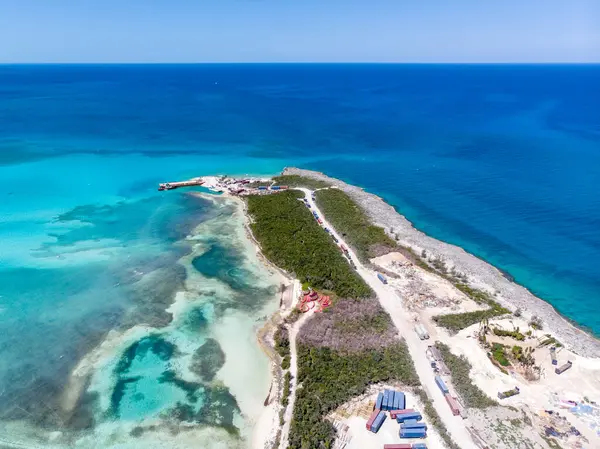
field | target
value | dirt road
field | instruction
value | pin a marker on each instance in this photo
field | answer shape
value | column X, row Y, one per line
column 392, row 303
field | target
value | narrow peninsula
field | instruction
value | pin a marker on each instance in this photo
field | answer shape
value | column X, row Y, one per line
column 388, row 338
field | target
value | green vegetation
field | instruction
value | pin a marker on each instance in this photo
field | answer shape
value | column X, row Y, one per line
column 536, row 322
column 551, row 442
column 255, row 184
column 459, row 321
column 351, row 222
column 282, row 341
column 513, row 334
column 285, row 362
column 329, row 378
column 435, row 420
column 291, row 239
column 300, row 181
column 285, row 397
column 377, row 323
column 549, row 340
column 460, row 368
column 499, row 354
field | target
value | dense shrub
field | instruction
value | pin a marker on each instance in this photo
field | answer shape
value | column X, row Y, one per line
column 351, row 222
column 291, row 239
column 299, row 181
column 460, row 368
column 328, row 378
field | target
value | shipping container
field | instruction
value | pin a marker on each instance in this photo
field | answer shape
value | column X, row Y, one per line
column 377, row 423
column 401, row 405
column 398, row 446
column 441, row 384
column 563, row 368
column 407, row 416
column 419, row 446
column 395, row 413
column 412, row 433
column 372, row 418
column 284, row 187
column 411, row 422
column 413, row 425
column 262, row 187
column 379, row 401
column 319, row 221
column 386, row 398
column 453, row 405
column 382, row 278
column 275, row 187
column 392, row 400
column 395, row 401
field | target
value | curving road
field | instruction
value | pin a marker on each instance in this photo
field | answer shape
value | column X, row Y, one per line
column 392, row 303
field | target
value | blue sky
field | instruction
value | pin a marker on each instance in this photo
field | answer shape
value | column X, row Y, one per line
column 299, row 30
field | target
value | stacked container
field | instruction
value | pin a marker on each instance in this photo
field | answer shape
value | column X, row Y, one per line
column 377, row 422
column 386, row 399
column 412, row 433
column 414, row 424
column 379, row 402
column 407, row 416
column 401, row 404
column 372, row 419
column 395, row 413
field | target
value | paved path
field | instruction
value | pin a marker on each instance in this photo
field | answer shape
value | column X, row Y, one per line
column 392, row 303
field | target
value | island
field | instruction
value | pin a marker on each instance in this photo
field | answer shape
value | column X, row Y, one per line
column 388, row 338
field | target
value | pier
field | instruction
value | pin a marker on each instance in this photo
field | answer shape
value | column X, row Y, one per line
column 178, row 184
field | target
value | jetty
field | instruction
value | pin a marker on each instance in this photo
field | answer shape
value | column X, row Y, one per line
column 178, row 184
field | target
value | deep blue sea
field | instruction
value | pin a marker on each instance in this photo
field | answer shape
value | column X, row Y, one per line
column 503, row 160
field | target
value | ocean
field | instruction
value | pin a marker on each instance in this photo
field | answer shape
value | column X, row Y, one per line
column 156, row 296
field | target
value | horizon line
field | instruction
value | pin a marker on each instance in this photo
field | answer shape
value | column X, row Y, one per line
column 305, row 63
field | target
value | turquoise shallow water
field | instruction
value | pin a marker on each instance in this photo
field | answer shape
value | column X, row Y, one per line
column 502, row 160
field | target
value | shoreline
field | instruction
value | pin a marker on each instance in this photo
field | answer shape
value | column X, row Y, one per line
column 481, row 274
column 267, row 426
